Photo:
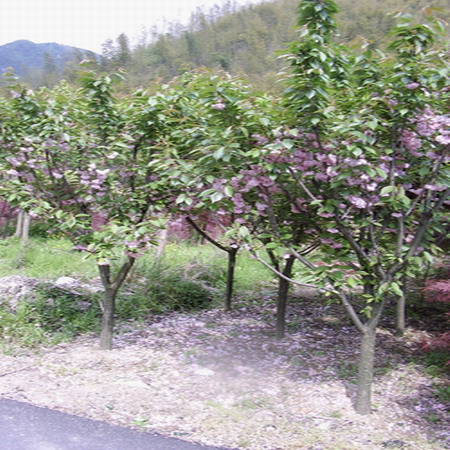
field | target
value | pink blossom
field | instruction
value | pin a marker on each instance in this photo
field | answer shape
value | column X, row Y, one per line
column 410, row 140
column 325, row 214
column 218, row 106
column 358, row 202
column 434, row 187
column 443, row 139
column 413, row 85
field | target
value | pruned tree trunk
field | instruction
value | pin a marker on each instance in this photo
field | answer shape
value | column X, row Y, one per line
column 283, row 291
column 232, row 256
column 365, row 370
column 106, row 335
column 109, row 300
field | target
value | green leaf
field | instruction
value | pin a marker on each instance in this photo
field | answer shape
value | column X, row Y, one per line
column 387, row 190
column 352, row 282
column 396, row 289
column 216, row 197
column 219, row 154
column 229, row 191
column 180, row 199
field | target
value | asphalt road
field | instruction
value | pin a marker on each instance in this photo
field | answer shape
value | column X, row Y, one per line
column 28, row 427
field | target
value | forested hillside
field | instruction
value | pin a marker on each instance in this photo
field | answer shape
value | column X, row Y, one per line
column 244, row 41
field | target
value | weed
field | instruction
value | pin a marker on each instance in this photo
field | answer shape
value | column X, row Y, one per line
column 60, row 310
column 347, row 371
column 432, row 418
column 141, row 422
column 442, row 392
column 437, row 359
column 250, row 403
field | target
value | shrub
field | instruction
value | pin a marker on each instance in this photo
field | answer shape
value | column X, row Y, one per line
column 157, row 288
column 60, row 310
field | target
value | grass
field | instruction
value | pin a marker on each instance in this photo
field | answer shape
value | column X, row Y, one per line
column 45, row 259
column 187, row 278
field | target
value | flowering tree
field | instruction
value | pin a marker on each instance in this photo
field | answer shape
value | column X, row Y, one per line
column 218, row 170
column 222, row 121
column 367, row 161
column 88, row 163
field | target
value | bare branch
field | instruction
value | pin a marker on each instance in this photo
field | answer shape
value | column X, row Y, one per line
column 302, row 185
column 123, row 272
column 351, row 311
column 275, row 271
column 206, row 235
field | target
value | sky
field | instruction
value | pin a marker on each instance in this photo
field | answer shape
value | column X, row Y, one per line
column 88, row 23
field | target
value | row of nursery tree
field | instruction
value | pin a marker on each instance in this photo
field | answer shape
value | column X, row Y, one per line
column 346, row 174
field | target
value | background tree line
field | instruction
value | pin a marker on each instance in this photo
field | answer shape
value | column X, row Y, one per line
column 240, row 40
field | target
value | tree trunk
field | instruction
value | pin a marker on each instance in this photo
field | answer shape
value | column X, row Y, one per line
column 283, row 290
column 400, row 324
column 109, row 299
column 23, row 227
column 106, row 334
column 400, row 316
column 25, row 234
column 162, row 242
column 19, row 222
column 365, row 370
column 232, row 254
column 6, row 228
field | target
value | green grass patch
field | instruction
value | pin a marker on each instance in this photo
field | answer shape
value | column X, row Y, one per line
column 44, row 258
column 187, row 278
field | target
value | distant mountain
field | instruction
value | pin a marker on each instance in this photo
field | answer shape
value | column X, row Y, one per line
column 26, row 56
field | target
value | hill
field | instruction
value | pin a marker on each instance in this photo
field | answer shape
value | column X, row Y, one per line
column 243, row 41
column 240, row 40
column 39, row 63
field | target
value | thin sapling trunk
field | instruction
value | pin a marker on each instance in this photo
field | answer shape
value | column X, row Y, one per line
column 232, row 256
column 400, row 321
column 283, row 290
column 24, row 232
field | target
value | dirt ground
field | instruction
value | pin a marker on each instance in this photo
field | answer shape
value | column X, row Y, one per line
column 222, row 379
